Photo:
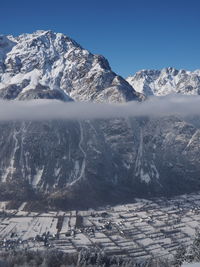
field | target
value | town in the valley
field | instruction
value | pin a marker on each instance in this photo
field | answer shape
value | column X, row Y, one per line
column 143, row 229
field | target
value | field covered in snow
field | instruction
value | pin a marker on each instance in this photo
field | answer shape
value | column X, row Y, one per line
column 143, row 229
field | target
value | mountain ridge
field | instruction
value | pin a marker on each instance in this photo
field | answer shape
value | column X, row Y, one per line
column 166, row 81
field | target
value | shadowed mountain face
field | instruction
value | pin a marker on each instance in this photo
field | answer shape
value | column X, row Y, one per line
column 91, row 162
column 100, row 160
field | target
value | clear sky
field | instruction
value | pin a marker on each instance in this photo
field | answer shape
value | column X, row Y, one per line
column 131, row 34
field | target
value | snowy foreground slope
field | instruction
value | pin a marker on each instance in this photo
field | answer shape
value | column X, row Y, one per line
column 99, row 160
column 166, row 81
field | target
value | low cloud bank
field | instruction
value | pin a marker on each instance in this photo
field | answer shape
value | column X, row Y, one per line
column 52, row 109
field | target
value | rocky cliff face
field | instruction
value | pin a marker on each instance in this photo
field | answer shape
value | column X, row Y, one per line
column 102, row 160
column 85, row 162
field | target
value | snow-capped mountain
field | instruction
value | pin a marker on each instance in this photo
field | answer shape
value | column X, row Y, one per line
column 51, row 65
column 166, row 81
column 93, row 161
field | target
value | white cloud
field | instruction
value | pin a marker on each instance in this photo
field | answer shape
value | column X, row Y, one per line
column 52, row 109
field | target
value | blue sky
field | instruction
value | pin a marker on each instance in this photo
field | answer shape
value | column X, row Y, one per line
column 131, row 34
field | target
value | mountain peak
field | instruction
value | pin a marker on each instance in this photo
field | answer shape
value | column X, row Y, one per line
column 45, row 59
column 166, row 81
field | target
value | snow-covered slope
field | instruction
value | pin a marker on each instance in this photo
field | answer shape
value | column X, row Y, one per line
column 32, row 65
column 166, row 81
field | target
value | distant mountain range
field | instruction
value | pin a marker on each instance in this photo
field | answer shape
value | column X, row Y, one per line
column 166, row 81
column 91, row 162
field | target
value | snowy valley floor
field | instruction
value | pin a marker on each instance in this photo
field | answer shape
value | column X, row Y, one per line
column 141, row 230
